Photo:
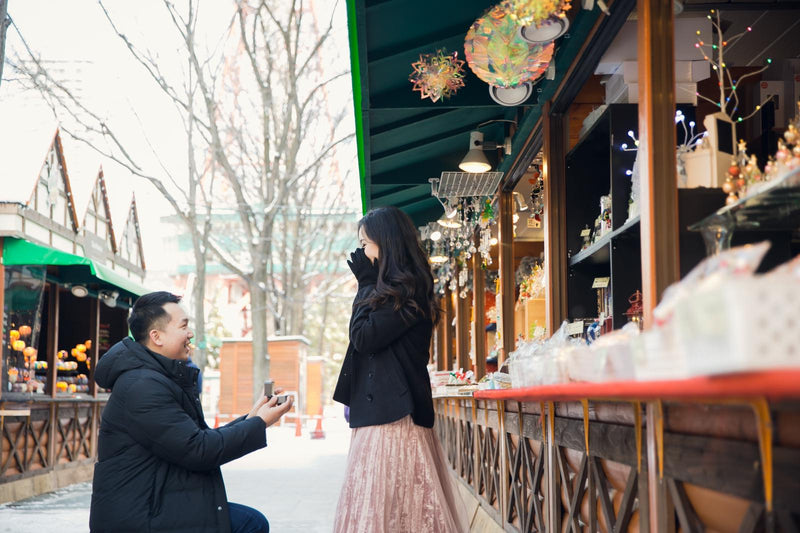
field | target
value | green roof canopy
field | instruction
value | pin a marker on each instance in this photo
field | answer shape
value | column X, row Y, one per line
column 22, row 252
column 403, row 140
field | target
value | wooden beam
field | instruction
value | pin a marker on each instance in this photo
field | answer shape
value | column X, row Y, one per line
column 462, row 332
column 2, row 305
column 659, row 198
column 51, row 356
column 449, row 340
column 94, row 335
column 555, row 215
column 440, row 349
column 479, row 311
column 506, row 247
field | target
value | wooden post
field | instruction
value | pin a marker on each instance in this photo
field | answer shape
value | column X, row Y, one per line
column 479, row 312
column 54, row 304
column 440, row 348
column 94, row 335
column 506, row 254
column 659, row 198
column 449, row 341
column 2, row 307
column 555, row 216
column 462, row 333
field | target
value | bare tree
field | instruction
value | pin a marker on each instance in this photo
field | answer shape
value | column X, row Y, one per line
column 4, row 23
column 191, row 201
column 252, row 114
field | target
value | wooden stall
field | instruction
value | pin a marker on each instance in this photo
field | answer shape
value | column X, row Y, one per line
column 65, row 289
column 290, row 368
column 605, row 143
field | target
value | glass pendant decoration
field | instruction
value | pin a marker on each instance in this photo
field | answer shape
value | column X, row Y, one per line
column 498, row 55
column 534, row 12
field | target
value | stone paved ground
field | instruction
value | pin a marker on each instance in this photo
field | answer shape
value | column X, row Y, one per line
column 294, row 481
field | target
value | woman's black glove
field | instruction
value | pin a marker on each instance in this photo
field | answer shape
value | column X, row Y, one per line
column 365, row 271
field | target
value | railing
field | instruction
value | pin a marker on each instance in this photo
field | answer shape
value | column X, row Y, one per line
column 38, row 437
column 719, row 461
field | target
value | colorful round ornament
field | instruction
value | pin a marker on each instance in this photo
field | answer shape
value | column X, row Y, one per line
column 498, row 55
column 534, row 12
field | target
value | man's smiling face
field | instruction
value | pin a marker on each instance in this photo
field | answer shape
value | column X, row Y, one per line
column 171, row 336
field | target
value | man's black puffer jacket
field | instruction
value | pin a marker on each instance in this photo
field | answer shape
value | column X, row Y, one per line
column 158, row 465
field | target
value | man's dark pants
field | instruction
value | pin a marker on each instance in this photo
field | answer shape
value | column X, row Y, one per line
column 246, row 519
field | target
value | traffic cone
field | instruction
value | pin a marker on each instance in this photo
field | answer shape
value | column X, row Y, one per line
column 298, row 426
column 318, row 433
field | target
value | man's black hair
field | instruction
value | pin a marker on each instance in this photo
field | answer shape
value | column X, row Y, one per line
column 148, row 311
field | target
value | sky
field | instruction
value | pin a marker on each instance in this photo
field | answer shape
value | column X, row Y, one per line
column 76, row 39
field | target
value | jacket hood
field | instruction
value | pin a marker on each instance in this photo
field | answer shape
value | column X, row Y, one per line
column 127, row 355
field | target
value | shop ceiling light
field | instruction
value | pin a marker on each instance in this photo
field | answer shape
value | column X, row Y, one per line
column 511, row 96
column 79, row 291
column 449, row 223
column 436, row 235
column 549, row 30
column 438, row 259
column 475, row 161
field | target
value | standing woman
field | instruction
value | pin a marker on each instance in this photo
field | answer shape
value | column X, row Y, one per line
column 397, row 478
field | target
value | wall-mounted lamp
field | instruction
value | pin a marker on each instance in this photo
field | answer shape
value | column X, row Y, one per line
column 475, row 161
column 109, row 298
column 522, row 205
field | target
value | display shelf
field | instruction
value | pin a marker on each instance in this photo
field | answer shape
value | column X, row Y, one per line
column 772, row 384
column 598, row 252
column 775, row 206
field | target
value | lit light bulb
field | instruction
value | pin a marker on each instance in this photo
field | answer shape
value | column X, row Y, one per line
column 436, row 235
column 493, row 241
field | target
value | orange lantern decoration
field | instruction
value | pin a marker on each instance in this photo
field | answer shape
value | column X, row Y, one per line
column 29, row 351
column 81, row 348
column 13, row 335
column 81, row 357
column 63, row 354
column 18, row 345
column 74, row 352
column 24, row 330
column 61, row 386
column 88, row 344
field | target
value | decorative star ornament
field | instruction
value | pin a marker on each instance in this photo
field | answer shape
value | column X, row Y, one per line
column 437, row 76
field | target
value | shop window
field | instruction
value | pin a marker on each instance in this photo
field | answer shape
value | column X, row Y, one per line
column 22, row 318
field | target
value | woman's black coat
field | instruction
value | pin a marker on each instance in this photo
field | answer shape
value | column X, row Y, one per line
column 158, row 461
column 384, row 376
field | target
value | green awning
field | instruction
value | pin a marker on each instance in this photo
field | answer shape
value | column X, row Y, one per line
column 402, row 140
column 22, row 252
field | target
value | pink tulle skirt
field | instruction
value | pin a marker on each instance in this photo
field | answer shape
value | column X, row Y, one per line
column 397, row 480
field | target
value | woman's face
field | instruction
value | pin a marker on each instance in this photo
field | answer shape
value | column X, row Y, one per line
column 371, row 249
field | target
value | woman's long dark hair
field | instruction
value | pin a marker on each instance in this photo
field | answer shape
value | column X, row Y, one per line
column 404, row 275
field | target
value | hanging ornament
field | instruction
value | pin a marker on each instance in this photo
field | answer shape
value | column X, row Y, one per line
column 498, row 55
column 534, row 12
column 437, row 76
